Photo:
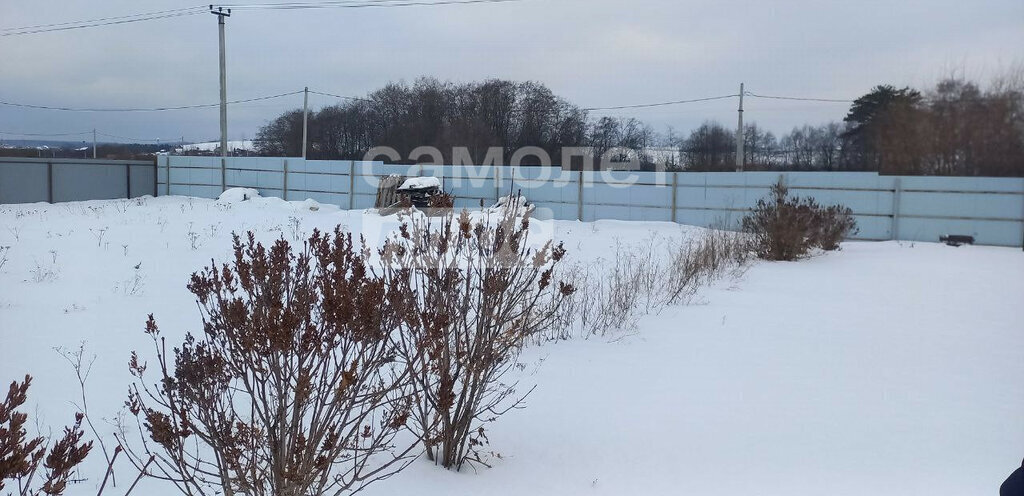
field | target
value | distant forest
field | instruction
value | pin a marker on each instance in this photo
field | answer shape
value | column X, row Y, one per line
column 64, row 149
column 955, row 128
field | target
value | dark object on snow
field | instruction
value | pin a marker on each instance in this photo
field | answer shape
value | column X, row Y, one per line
column 957, row 239
column 1014, row 484
column 419, row 190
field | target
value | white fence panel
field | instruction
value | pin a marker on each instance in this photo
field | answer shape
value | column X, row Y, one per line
column 885, row 207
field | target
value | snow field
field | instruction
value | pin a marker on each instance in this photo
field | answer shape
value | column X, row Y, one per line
column 885, row 368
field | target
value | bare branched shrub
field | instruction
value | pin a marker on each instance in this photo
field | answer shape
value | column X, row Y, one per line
column 442, row 200
column 294, row 387
column 612, row 300
column 22, row 458
column 83, row 367
column 645, row 278
column 699, row 262
column 99, row 234
column 834, row 224
column 4, row 250
column 295, row 228
column 45, row 272
column 478, row 292
column 193, row 237
column 788, row 228
column 133, row 286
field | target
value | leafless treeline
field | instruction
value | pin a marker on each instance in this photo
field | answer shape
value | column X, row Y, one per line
column 955, row 128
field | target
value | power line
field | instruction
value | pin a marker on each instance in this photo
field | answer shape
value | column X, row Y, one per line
column 199, row 9
column 45, row 134
column 154, row 109
column 169, row 141
column 340, row 96
column 98, row 133
column 356, row 4
column 745, row 93
column 661, row 104
column 802, row 99
column 101, row 19
column 320, row 4
column 105, row 21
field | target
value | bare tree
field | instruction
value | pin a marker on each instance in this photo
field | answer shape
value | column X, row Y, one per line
column 711, row 147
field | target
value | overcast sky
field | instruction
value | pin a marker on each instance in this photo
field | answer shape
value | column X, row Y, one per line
column 592, row 52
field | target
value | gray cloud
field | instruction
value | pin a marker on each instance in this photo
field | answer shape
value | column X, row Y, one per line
column 595, row 53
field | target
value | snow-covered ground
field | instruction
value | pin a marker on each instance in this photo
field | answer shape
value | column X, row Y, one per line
column 886, row 368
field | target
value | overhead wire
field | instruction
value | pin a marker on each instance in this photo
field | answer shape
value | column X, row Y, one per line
column 339, row 96
column 355, row 4
column 802, row 99
column 98, row 133
column 661, row 104
column 200, row 9
column 157, row 140
column 101, row 19
column 153, row 109
column 107, row 21
column 45, row 134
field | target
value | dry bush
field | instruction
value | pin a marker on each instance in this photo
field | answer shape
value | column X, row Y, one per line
column 22, row 458
column 699, row 262
column 293, row 388
column 788, row 228
column 645, row 278
column 479, row 292
column 442, row 200
column 833, row 225
column 611, row 300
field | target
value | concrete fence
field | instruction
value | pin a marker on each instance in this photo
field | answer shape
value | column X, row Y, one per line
column 886, row 207
column 27, row 180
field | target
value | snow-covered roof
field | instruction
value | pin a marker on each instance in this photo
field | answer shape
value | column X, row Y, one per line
column 420, row 183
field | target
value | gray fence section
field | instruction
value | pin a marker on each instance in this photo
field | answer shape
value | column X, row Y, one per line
column 28, row 180
column 886, row 207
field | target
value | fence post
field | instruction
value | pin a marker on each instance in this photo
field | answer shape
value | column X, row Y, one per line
column 579, row 197
column 351, row 184
column 49, row 182
column 167, row 184
column 896, row 208
column 497, row 182
column 675, row 188
column 128, row 181
column 156, row 176
column 284, row 180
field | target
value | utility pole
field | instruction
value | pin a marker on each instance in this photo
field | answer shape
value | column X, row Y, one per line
column 305, row 119
column 739, row 135
column 221, row 14
column 93, row 142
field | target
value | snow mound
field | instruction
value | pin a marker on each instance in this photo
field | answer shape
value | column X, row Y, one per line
column 516, row 202
column 420, row 183
column 309, row 204
column 235, row 195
